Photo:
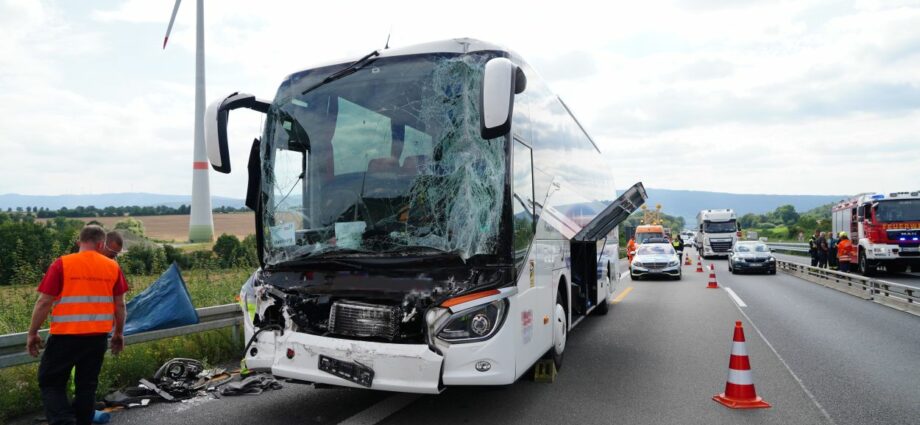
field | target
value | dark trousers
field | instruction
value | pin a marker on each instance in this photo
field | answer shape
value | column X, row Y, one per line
column 62, row 354
column 814, row 259
column 844, row 266
column 822, row 260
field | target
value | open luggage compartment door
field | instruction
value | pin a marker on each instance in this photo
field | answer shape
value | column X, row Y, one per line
column 615, row 213
column 584, row 246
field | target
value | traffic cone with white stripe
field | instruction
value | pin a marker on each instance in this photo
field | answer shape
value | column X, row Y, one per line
column 699, row 266
column 713, row 284
column 689, row 262
column 739, row 389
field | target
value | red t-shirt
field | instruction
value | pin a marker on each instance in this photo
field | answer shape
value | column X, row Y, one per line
column 53, row 282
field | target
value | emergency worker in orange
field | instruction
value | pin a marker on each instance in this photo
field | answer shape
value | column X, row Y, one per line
column 630, row 248
column 845, row 253
column 84, row 292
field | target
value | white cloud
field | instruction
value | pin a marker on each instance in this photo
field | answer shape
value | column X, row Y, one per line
column 721, row 95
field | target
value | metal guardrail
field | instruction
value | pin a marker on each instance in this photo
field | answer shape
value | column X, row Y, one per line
column 788, row 246
column 891, row 294
column 13, row 346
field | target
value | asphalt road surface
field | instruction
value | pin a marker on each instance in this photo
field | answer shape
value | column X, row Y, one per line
column 817, row 355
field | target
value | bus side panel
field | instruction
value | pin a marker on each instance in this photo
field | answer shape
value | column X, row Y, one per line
column 535, row 298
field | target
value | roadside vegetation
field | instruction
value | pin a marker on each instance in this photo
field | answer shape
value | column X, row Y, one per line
column 786, row 224
column 213, row 274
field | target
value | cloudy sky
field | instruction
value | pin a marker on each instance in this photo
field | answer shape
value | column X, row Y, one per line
column 782, row 97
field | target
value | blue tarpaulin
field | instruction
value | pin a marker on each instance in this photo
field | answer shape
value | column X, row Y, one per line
column 165, row 304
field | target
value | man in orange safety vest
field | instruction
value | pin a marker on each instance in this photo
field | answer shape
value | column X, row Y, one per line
column 845, row 253
column 84, row 292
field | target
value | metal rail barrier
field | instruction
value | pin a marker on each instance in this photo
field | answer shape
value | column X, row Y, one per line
column 13, row 346
column 891, row 294
column 788, row 246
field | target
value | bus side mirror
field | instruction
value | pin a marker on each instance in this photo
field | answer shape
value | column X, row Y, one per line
column 501, row 80
column 215, row 126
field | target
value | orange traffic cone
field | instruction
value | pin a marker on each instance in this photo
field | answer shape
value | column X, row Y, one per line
column 699, row 266
column 739, row 389
column 689, row 262
column 712, row 277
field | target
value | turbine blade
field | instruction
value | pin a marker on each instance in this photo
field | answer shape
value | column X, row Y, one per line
column 171, row 21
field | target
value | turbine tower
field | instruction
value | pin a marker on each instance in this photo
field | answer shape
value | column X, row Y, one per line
column 201, row 223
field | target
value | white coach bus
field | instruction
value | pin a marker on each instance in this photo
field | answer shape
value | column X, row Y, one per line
column 427, row 217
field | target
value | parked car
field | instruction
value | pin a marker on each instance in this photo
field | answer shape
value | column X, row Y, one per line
column 751, row 256
column 655, row 259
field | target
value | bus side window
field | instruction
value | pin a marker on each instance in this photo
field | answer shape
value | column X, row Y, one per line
column 522, row 202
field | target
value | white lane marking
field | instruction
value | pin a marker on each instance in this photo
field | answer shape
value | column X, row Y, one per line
column 735, row 297
column 789, row 369
column 382, row 410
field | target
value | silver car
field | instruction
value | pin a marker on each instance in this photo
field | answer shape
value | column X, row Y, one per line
column 655, row 259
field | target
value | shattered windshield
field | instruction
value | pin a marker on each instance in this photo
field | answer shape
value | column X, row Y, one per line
column 386, row 160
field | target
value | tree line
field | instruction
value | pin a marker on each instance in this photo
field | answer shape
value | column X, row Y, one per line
column 132, row 210
column 786, row 223
column 28, row 247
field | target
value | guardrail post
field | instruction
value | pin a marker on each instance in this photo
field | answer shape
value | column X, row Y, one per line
column 910, row 295
column 236, row 332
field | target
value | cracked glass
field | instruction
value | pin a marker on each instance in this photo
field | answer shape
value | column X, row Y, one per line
column 386, row 160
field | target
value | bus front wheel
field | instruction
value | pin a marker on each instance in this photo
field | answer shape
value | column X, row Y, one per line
column 560, row 330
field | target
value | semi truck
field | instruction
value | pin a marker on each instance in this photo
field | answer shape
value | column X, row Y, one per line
column 884, row 227
column 417, row 225
column 717, row 232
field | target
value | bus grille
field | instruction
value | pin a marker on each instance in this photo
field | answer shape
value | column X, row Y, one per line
column 363, row 320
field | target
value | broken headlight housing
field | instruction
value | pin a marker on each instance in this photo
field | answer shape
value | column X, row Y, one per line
column 474, row 324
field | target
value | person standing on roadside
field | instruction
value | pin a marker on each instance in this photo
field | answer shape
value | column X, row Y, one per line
column 832, row 251
column 822, row 250
column 631, row 248
column 845, row 253
column 84, row 292
column 813, row 248
column 113, row 244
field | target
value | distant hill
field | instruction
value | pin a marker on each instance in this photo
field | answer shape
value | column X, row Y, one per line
column 687, row 203
column 683, row 203
column 102, row 200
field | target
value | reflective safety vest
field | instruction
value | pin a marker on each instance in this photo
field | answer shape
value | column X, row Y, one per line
column 845, row 251
column 86, row 304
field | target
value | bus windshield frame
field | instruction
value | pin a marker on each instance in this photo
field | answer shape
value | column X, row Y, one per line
column 387, row 161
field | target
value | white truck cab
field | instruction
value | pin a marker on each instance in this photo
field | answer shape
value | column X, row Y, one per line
column 717, row 232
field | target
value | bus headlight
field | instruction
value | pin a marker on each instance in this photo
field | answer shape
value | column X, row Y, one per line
column 474, row 324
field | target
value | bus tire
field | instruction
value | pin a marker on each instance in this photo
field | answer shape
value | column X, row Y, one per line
column 560, row 330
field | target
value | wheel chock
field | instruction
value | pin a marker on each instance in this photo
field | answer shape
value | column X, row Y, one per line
column 544, row 371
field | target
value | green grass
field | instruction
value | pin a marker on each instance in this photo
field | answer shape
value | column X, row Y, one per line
column 18, row 386
column 207, row 288
column 19, row 393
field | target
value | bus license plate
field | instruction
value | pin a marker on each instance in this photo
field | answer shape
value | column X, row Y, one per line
column 910, row 249
column 354, row 372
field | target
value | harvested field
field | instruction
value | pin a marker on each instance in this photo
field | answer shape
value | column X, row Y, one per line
column 174, row 228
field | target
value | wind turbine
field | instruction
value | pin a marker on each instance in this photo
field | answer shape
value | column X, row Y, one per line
column 201, row 224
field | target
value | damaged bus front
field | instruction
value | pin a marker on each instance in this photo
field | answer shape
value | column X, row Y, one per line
column 385, row 220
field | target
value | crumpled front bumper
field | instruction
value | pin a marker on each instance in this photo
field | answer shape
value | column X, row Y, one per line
column 410, row 368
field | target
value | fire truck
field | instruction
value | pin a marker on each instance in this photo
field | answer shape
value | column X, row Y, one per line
column 884, row 227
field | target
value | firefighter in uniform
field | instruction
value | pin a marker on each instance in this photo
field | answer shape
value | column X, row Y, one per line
column 84, row 292
column 845, row 253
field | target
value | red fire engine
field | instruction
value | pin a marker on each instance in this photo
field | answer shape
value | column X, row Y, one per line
column 885, row 228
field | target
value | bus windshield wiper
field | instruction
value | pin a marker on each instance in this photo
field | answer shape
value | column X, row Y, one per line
column 348, row 70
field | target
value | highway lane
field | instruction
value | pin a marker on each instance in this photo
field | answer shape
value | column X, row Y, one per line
column 657, row 357
column 861, row 360
column 910, row 279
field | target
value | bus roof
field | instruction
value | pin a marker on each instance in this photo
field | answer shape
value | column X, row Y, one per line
column 453, row 45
